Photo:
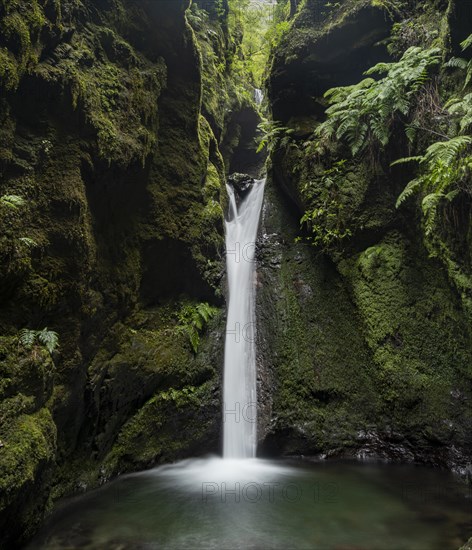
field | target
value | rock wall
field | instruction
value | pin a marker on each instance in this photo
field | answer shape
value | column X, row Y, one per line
column 365, row 348
column 109, row 152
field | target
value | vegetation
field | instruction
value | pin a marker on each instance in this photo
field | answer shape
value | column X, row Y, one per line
column 325, row 218
column 254, row 22
column 445, row 170
column 46, row 338
column 461, row 63
column 364, row 114
column 273, row 136
column 193, row 318
column 12, row 201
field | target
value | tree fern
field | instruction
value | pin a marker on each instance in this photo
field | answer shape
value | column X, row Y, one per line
column 363, row 114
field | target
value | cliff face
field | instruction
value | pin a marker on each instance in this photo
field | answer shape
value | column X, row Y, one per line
column 365, row 341
column 112, row 196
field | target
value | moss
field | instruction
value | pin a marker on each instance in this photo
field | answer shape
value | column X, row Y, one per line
column 29, row 442
column 415, row 330
column 112, row 158
column 151, row 352
column 149, row 436
column 410, row 302
column 115, row 88
column 321, row 395
column 20, row 31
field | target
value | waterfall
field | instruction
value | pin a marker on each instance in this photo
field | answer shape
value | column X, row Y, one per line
column 258, row 96
column 239, row 392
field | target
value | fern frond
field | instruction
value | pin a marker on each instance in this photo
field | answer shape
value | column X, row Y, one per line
column 376, row 103
column 429, row 207
column 405, row 160
column 30, row 243
column 409, row 190
column 49, row 339
column 467, row 43
column 456, row 63
column 12, row 201
column 26, row 337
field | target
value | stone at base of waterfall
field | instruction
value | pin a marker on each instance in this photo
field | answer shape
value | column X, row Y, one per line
column 241, row 184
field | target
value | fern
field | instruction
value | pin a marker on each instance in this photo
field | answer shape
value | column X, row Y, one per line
column 274, row 136
column 362, row 115
column 192, row 320
column 409, row 190
column 462, row 109
column 45, row 337
column 12, row 201
column 26, row 338
column 48, row 338
column 461, row 63
column 445, row 170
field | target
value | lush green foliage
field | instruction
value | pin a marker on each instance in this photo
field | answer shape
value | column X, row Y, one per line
column 325, row 220
column 12, row 201
column 46, row 338
column 461, row 63
column 193, row 318
column 362, row 115
column 445, row 168
column 461, row 107
column 273, row 136
column 254, row 22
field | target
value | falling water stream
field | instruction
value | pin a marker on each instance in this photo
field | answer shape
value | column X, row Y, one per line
column 239, row 382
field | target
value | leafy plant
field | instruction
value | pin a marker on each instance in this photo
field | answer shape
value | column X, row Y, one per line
column 363, row 114
column 445, row 169
column 49, row 339
column 324, row 217
column 12, row 201
column 461, row 63
column 254, row 31
column 193, row 319
column 461, row 108
column 274, row 136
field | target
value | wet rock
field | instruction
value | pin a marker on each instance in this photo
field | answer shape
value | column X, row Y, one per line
column 241, row 183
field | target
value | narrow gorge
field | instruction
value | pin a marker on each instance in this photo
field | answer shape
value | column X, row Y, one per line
column 236, row 274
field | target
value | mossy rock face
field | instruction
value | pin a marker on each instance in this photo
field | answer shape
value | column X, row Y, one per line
column 387, row 370
column 27, row 459
column 369, row 357
column 315, row 368
column 121, row 186
column 149, row 437
column 149, row 354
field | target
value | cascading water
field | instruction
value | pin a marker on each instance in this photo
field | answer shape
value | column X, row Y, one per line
column 258, row 96
column 239, row 392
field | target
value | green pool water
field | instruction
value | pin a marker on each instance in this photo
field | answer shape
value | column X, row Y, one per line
column 255, row 504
